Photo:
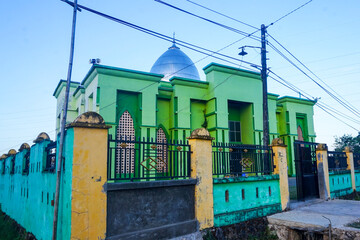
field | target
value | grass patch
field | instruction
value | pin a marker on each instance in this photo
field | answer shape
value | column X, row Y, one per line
column 354, row 224
column 10, row 230
column 254, row 229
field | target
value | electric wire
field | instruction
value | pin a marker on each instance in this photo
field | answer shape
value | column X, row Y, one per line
column 322, row 106
column 309, row 97
column 338, row 98
column 354, row 111
column 145, row 87
column 289, row 13
column 161, row 36
column 182, row 43
column 222, row 14
column 319, row 105
column 211, row 21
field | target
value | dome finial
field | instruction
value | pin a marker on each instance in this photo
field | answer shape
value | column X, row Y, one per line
column 173, row 41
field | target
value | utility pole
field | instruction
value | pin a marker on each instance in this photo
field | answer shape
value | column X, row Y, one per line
column 63, row 122
column 264, row 84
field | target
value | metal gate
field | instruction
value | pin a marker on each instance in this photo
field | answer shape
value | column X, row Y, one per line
column 306, row 170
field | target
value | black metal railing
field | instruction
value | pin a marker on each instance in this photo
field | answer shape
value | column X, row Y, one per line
column 50, row 152
column 239, row 160
column 357, row 160
column 337, row 161
column 132, row 159
column 26, row 163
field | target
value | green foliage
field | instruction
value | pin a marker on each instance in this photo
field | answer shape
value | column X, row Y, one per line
column 347, row 140
column 9, row 229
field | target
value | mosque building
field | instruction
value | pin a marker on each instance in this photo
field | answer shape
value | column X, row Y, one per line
column 171, row 100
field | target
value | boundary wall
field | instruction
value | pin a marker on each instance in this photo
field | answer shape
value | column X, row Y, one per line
column 28, row 197
column 90, row 207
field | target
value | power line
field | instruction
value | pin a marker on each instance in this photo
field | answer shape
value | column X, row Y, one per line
column 343, row 101
column 139, row 90
column 162, row 36
column 222, row 14
column 320, row 105
column 350, row 108
column 211, row 21
column 309, row 97
column 288, row 13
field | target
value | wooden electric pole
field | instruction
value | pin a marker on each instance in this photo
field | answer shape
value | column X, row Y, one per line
column 63, row 123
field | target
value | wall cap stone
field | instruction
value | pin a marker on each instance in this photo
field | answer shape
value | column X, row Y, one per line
column 321, row 147
column 246, row 179
column 278, row 142
column 41, row 137
column 150, row 184
column 24, row 146
column 89, row 120
column 348, row 149
column 11, row 152
column 201, row 133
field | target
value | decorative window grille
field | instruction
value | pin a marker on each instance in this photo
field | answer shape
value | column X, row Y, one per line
column 125, row 154
column 300, row 134
column 161, row 165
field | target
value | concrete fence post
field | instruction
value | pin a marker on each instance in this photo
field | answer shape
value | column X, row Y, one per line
column 201, row 169
column 280, row 167
column 323, row 171
column 350, row 166
column 89, row 174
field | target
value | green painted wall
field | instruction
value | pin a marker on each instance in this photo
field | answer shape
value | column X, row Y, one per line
column 163, row 113
column 27, row 198
column 178, row 105
column 198, row 112
column 247, row 198
column 340, row 183
column 290, row 110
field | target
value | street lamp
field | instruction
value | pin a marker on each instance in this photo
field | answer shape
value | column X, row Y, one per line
column 264, row 83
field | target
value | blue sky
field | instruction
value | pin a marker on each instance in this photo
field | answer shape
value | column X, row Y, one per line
column 35, row 42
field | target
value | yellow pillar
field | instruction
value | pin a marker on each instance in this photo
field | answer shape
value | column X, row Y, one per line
column 89, row 174
column 323, row 171
column 350, row 165
column 201, row 169
column 280, row 167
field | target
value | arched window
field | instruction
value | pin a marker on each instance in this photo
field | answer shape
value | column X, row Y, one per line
column 161, row 158
column 125, row 153
column 300, row 133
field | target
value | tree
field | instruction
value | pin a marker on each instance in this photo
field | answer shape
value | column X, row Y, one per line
column 347, row 140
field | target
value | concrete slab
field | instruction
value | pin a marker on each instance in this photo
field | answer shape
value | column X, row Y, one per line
column 312, row 217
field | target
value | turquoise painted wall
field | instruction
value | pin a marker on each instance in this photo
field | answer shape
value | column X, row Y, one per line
column 27, row 198
column 240, row 199
column 340, row 183
column 357, row 180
